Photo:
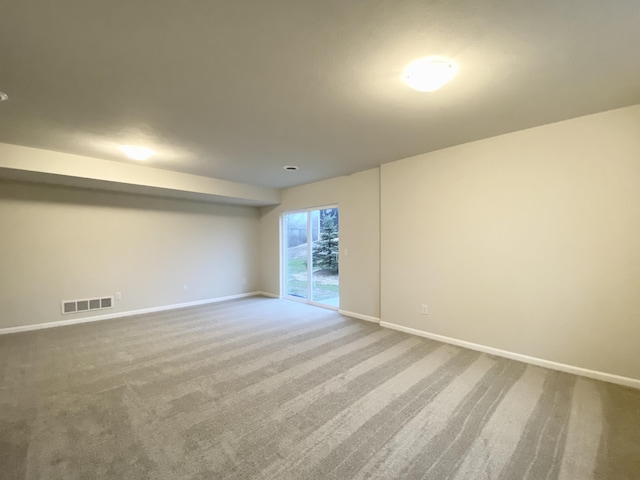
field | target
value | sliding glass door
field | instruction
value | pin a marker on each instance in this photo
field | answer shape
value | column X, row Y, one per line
column 310, row 261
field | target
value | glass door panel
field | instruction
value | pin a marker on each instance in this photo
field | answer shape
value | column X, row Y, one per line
column 296, row 255
column 324, row 256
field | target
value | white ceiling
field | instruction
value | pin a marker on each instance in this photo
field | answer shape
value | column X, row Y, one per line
column 236, row 89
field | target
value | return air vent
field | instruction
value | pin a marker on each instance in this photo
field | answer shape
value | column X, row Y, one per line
column 86, row 304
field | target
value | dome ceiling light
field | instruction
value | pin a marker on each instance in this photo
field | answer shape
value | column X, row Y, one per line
column 428, row 74
column 135, row 152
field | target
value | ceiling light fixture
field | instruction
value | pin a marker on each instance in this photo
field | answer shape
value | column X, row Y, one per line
column 136, row 153
column 429, row 74
column 3, row 97
column 291, row 168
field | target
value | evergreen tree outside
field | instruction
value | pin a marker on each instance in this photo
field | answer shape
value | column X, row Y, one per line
column 325, row 249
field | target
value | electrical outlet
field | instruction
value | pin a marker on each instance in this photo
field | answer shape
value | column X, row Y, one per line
column 425, row 309
column 118, row 295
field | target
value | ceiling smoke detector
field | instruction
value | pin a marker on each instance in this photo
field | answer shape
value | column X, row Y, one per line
column 3, row 97
column 291, row 168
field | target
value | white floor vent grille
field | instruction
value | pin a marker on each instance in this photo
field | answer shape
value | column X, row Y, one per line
column 86, row 305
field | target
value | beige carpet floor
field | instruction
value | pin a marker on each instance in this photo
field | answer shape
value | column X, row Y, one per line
column 269, row 389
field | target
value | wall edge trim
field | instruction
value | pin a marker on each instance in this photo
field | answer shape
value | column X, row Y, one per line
column 268, row 294
column 128, row 313
column 540, row 362
column 359, row 316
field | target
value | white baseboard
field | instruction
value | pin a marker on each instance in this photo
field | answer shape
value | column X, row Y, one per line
column 359, row 316
column 606, row 377
column 109, row 316
column 267, row 294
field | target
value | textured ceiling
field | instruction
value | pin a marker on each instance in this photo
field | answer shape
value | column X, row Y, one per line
column 236, row 89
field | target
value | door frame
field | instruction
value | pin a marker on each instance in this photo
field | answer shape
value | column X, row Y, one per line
column 283, row 257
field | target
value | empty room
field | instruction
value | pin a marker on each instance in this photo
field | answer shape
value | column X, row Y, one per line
column 294, row 239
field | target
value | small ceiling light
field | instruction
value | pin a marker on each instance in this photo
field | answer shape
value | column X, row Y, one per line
column 291, row 168
column 429, row 74
column 136, row 153
column 3, row 97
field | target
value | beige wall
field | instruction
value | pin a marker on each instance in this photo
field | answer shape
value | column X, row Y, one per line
column 59, row 243
column 358, row 200
column 527, row 242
